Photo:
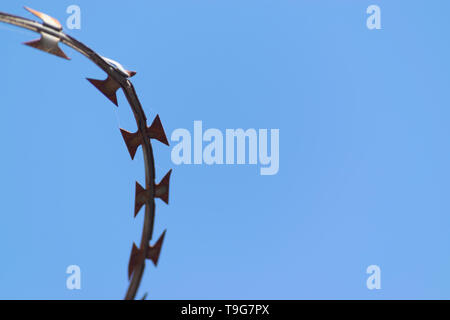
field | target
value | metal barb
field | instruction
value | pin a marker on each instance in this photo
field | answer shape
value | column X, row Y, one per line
column 155, row 250
column 108, row 87
column 141, row 197
column 135, row 259
column 137, row 256
column 49, row 44
column 134, row 140
column 162, row 188
column 48, row 21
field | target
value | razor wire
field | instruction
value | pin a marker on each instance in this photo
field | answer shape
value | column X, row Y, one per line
column 117, row 77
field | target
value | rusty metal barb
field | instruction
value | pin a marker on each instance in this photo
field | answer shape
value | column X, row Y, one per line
column 134, row 140
column 138, row 255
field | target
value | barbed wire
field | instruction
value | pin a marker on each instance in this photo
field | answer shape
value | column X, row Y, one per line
column 117, row 78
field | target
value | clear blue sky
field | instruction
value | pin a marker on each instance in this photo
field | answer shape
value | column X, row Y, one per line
column 364, row 119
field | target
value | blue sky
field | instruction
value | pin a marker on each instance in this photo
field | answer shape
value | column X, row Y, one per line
column 364, row 159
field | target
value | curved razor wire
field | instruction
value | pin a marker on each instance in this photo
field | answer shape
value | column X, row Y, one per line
column 51, row 35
